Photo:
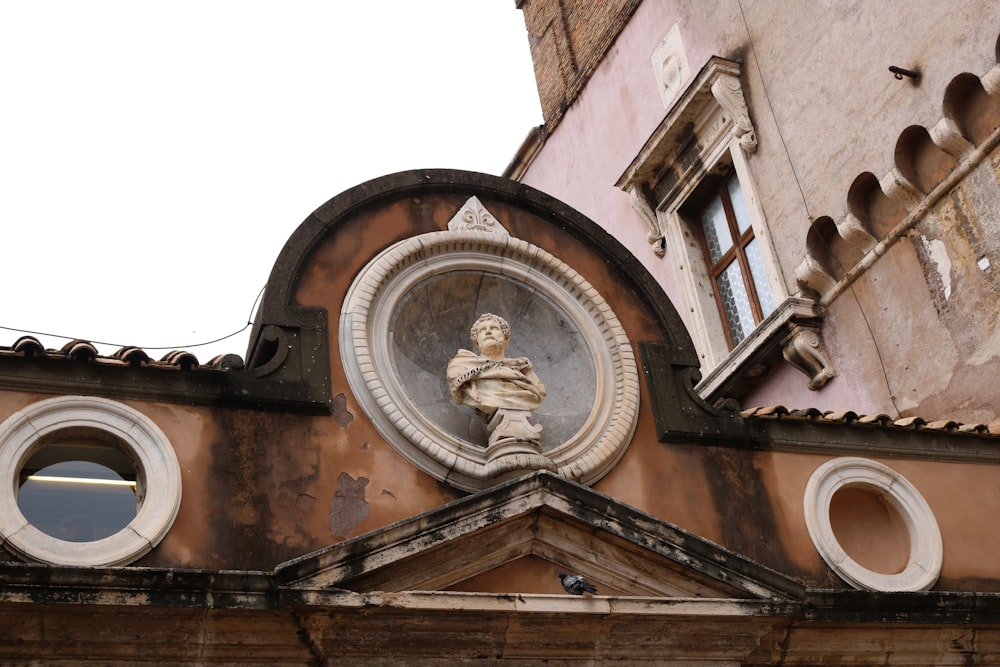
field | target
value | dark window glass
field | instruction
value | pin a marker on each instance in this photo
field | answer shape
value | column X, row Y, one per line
column 734, row 261
column 78, row 490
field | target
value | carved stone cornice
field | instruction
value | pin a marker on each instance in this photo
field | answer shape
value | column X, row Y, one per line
column 698, row 111
column 709, row 113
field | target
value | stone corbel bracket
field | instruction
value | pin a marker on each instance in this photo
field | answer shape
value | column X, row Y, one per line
column 729, row 93
column 802, row 347
column 794, row 328
column 640, row 201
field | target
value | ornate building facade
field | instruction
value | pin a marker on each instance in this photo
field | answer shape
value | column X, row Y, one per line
column 709, row 217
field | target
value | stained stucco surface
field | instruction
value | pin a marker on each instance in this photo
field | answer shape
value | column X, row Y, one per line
column 826, row 110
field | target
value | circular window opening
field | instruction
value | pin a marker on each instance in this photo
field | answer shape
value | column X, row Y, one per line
column 870, row 529
column 872, row 526
column 89, row 482
column 79, row 487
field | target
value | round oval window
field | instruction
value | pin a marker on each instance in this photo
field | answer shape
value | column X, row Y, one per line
column 79, row 487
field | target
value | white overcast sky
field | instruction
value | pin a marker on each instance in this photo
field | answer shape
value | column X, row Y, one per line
column 155, row 157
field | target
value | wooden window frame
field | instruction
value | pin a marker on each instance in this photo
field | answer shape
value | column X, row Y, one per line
column 739, row 243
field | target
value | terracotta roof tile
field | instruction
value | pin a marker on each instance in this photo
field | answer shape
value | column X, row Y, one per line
column 943, row 425
column 909, row 422
column 29, row 346
column 133, row 356
column 846, row 416
column 881, row 420
column 185, row 360
column 226, row 361
column 79, row 350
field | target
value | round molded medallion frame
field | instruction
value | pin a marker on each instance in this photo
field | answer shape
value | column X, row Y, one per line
column 926, row 549
column 25, row 431
column 366, row 320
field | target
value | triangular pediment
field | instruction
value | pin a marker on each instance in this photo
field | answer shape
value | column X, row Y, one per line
column 541, row 520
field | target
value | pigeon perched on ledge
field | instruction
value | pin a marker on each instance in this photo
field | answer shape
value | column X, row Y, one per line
column 575, row 584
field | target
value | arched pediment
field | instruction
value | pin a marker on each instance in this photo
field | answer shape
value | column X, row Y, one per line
column 375, row 291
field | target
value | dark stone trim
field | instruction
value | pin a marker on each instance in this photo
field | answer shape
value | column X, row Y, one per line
column 679, row 413
column 276, row 305
column 277, row 312
column 27, row 585
column 44, row 584
column 869, row 440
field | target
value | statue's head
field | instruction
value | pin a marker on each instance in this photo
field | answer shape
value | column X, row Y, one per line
column 483, row 332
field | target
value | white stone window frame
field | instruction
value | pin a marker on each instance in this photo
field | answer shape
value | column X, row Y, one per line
column 926, row 556
column 714, row 107
column 25, row 431
column 683, row 243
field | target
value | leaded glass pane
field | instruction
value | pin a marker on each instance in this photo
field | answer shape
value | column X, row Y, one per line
column 735, row 303
column 717, row 236
column 739, row 204
column 760, row 278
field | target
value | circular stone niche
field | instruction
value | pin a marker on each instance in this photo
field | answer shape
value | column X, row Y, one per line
column 411, row 309
column 872, row 526
column 434, row 320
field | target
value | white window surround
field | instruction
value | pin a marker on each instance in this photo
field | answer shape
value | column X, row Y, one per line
column 25, row 431
column 708, row 132
column 926, row 549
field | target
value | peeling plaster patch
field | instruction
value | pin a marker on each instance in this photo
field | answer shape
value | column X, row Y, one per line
column 938, row 255
column 304, row 502
column 348, row 508
column 987, row 346
column 340, row 411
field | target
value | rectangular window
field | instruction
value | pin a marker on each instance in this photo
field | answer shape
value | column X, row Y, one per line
column 734, row 262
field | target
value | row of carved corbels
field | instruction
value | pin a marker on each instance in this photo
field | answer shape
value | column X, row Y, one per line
column 821, row 272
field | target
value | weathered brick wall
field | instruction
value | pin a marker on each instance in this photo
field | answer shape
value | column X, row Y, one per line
column 568, row 39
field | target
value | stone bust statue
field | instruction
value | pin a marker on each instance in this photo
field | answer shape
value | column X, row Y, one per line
column 489, row 381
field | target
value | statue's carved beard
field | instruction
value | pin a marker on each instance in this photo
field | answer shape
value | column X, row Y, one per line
column 488, row 348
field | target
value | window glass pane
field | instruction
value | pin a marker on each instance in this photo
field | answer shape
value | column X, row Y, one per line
column 717, row 236
column 739, row 204
column 74, row 499
column 735, row 303
column 760, row 278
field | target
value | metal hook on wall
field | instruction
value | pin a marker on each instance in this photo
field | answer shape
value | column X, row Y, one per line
column 899, row 73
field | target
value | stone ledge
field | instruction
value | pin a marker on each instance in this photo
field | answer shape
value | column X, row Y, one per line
column 791, row 332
